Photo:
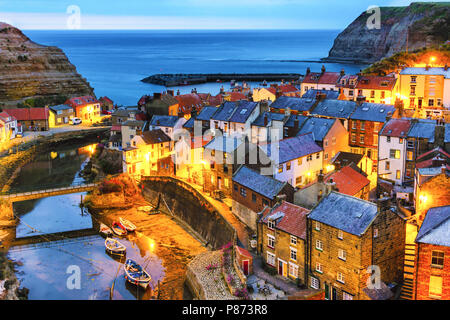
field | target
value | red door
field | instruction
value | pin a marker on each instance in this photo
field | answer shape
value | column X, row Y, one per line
column 280, row 268
column 245, row 267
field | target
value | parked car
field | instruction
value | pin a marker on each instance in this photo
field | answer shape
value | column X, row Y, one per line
column 75, row 121
column 107, row 112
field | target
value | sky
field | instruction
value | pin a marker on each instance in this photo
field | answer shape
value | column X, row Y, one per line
column 186, row 14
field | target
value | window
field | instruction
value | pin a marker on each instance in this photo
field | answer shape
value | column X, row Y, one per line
column 350, row 93
column 271, row 241
column 342, row 254
column 340, row 277
column 394, row 154
column 353, row 138
column 325, row 156
column 412, row 91
column 375, row 139
column 363, row 126
column 400, row 140
column 299, row 161
column 325, row 142
column 314, row 283
column 333, row 140
column 243, row 192
column 375, row 233
column 388, row 139
column 346, row 296
column 280, row 168
column 319, row 267
column 317, row 155
column 294, row 240
column 298, row 180
column 437, row 259
column 265, row 202
column 288, row 166
column 387, row 165
column 271, row 224
column 319, row 245
column 340, row 235
column 293, row 254
column 226, row 182
column 431, row 102
column 361, row 138
column 235, row 186
column 435, row 287
column 354, row 125
column 413, row 79
column 293, row 270
column 317, row 226
column 270, row 259
column 309, row 158
column 397, row 175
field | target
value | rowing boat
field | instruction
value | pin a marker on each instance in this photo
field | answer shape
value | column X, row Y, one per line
column 119, row 229
column 105, row 230
column 135, row 274
column 113, row 246
column 127, row 224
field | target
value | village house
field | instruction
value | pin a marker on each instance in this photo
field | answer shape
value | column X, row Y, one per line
column 121, row 115
column 282, row 240
column 203, row 119
column 267, row 126
column 31, row 119
column 8, row 127
column 361, row 161
column 234, row 118
column 325, row 94
column 234, row 96
column 365, row 123
column 338, row 109
column 274, row 92
column 170, row 125
column 159, row 104
column 330, row 134
column 129, row 129
column 60, row 115
column 293, row 124
column 292, row 105
column 376, row 89
column 296, row 160
column 87, row 108
column 348, row 235
column 106, row 104
column 425, row 88
column 348, row 180
column 186, row 103
column 320, row 81
column 392, row 151
column 143, row 157
column 253, row 191
column 432, row 269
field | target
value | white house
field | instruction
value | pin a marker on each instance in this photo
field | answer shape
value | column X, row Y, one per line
column 8, row 127
column 168, row 124
column 392, row 150
column 235, row 118
column 296, row 160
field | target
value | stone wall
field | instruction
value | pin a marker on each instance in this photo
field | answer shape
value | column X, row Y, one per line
column 188, row 205
column 245, row 214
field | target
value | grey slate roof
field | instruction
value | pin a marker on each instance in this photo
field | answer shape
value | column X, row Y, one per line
column 155, row 136
column 135, row 123
column 330, row 94
column 206, row 113
column 346, row 213
column 270, row 116
column 225, row 111
column 293, row 103
column 293, row 148
column 319, row 127
column 335, row 108
column 372, row 112
column 264, row 185
column 345, row 158
column 423, row 128
column 301, row 120
column 189, row 124
column 435, row 228
column 164, row 121
column 60, row 107
column 243, row 111
column 224, row 144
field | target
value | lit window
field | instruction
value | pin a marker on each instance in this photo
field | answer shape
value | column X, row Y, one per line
column 435, row 290
column 280, row 168
column 288, row 166
column 387, row 165
column 299, row 161
column 398, row 174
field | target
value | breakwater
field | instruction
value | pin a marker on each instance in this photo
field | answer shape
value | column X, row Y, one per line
column 173, row 80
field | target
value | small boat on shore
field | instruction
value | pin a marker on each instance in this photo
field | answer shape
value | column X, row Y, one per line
column 105, row 230
column 113, row 246
column 145, row 208
column 130, row 227
column 119, row 229
column 135, row 274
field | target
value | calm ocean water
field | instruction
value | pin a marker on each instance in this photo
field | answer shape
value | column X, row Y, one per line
column 114, row 62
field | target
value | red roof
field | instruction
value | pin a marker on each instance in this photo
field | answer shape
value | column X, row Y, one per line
column 4, row 116
column 243, row 252
column 376, row 82
column 189, row 100
column 396, row 128
column 322, row 78
column 106, row 99
column 27, row 114
column 437, row 150
column 293, row 220
column 348, row 181
column 285, row 88
column 216, row 100
column 81, row 101
column 236, row 96
column 141, row 116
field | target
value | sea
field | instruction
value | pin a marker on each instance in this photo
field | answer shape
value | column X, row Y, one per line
column 115, row 62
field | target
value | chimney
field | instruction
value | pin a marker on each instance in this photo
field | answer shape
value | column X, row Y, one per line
column 337, row 165
column 446, row 67
column 427, row 67
column 266, row 120
column 320, row 177
column 323, row 69
column 439, row 133
column 400, row 107
column 321, row 96
column 308, row 70
column 360, row 100
column 278, row 93
column 170, row 92
column 443, row 168
column 384, row 202
column 194, row 112
column 157, row 122
column 296, row 125
column 342, row 72
column 281, row 197
column 178, row 92
column 157, row 96
column 330, row 186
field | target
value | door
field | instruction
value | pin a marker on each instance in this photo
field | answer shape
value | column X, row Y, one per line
column 327, row 291
column 334, row 294
column 280, row 268
column 245, row 267
column 219, row 183
column 420, row 102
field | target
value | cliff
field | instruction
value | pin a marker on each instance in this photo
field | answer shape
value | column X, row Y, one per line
column 416, row 26
column 29, row 70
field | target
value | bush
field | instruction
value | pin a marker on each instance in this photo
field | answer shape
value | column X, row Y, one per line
column 242, row 293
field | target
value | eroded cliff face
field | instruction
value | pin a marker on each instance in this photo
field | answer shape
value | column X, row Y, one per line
column 30, row 70
column 418, row 25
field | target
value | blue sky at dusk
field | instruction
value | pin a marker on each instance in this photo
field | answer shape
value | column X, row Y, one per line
column 188, row 14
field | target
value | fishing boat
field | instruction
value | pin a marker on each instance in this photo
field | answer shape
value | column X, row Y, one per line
column 113, row 246
column 127, row 224
column 105, row 230
column 119, row 229
column 135, row 274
